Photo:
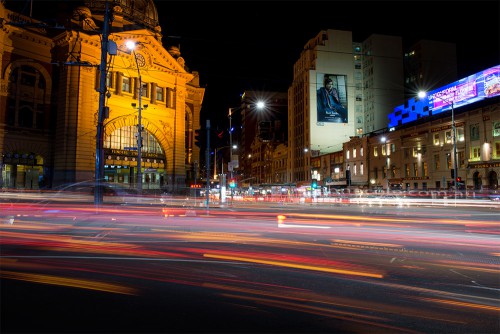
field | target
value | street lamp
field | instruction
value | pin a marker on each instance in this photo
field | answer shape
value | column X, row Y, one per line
column 217, row 149
column 131, row 46
column 454, row 136
column 230, row 114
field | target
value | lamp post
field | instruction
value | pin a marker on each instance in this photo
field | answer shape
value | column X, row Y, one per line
column 453, row 134
column 231, row 144
column 99, row 154
column 230, row 114
column 131, row 46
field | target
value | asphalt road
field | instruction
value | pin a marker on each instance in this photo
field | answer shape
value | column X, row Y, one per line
column 273, row 268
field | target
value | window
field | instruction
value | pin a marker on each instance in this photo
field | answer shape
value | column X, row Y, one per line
column 126, row 84
column 27, row 96
column 361, row 169
column 460, row 134
column 425, row 171
column 348, row 154
column 437, row 165
column 407, row 170
column 126, row 136
column 474, row 131
column 447, row 136
column 461, row 159
column 496, row 150
column 361, row 152
column 355, row 169
column 416, row 152
column 354, row 153
column 159, row 94
column 375, row 151
column 145, row 91
column 436, row 139
column 415, row 169
column 496, row 129
column 475, row 153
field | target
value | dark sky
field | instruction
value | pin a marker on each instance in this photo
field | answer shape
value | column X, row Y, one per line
column 252, row 45
column 240, row 45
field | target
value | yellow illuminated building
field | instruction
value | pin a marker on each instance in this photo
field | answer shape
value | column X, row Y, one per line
column 49, row 99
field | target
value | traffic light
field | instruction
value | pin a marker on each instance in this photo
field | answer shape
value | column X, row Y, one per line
column 232, row 183
column 459, row 179
column 216, row 138
column 198, row 137
column 314, row 183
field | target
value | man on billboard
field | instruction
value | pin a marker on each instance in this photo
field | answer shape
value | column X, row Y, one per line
column 329, row 107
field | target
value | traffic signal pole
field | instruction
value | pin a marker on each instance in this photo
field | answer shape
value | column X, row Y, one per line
column 207, row 159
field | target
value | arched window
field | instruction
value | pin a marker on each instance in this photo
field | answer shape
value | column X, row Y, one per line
column 126, row 137
column 26, row 104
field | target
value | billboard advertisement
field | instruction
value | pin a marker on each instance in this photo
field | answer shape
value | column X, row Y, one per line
column 331, row 98
column 476, row 87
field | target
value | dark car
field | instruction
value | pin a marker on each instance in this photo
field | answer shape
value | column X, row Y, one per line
column 85, row 191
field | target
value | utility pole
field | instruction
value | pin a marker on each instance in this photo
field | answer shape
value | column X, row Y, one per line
column 207, row 159
column 139, row 129
column 231, row 150
column 99, row 150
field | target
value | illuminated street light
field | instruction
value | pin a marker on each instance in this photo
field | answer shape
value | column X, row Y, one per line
column 131, row 46
column 218, row 149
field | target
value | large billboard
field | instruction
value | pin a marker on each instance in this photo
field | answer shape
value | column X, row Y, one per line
column 331, row 98
column 476, row 87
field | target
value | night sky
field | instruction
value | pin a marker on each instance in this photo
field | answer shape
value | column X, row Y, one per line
column 252, row 45
column 244, row 45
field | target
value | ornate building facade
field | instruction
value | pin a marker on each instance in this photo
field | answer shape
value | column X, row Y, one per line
column 50, row 99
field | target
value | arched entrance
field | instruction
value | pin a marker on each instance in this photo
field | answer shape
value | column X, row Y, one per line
column 477, row 180
column 121, row 159
column 493, row 180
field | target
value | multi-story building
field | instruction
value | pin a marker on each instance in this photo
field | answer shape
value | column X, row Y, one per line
column 368, row 77
column 263, row 127
column 419, row 155
column 50, row 99
column 370, row 80
column 429, row 64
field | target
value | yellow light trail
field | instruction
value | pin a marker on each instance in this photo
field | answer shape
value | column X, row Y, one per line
column 463, row 304
column 69, row 282
column 293, row 265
